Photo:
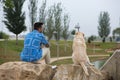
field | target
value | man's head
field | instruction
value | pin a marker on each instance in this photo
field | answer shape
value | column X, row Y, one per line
column 39, row 26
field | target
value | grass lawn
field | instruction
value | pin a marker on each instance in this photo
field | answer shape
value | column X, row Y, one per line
column 69, row 61
column 9, row 51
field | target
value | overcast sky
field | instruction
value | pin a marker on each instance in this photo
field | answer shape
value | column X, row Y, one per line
column 86, row 13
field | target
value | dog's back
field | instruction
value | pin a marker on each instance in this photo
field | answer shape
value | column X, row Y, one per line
column 79, row 49
column 79, row 55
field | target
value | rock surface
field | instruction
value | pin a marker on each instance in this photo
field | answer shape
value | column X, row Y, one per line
column 25, row 71
column 75, row 72
column 29, row 71
column 112, row 67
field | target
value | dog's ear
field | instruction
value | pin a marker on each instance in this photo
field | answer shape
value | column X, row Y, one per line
column 76, row 33
column 83, row 34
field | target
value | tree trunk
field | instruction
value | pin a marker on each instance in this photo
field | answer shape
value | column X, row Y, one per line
column 65, row 49
column 104, row 40
column 16, row 39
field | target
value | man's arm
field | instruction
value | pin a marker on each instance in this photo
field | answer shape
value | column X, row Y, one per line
column 45, row 42
column 47, row 45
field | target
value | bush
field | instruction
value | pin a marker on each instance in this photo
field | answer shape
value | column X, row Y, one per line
column 91, row 38
column 111, row 54
column 73, row 32
column 3, row 35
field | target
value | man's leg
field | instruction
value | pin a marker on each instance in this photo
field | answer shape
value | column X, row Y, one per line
column 46, row 55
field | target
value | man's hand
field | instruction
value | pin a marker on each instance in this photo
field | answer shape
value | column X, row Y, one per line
column 47, row 45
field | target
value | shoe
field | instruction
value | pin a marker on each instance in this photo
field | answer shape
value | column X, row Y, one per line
column 54, row 67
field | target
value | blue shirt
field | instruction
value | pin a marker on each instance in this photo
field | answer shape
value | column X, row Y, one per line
column 32, row 43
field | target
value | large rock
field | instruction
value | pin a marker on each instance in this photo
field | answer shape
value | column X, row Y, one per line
column 29, row 71
column 75, row 72
column 112, row 67
column 25, row 71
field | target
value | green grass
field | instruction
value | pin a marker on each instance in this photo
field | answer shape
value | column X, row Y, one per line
column 69, row 61
column 65, row 61
column 9, row 51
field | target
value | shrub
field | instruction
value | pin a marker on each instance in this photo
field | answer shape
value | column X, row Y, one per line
column 3, row 35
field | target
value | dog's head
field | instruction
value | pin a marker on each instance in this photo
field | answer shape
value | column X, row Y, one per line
column 79, row 35
column 79, row 38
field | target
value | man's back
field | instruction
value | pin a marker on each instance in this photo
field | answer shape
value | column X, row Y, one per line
column 32, row 43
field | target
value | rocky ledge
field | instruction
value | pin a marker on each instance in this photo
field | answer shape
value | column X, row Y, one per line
column 29, row 71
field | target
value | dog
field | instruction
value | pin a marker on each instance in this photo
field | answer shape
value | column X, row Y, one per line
column 79, row 55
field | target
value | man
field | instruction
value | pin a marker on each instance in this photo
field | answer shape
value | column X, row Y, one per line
column 32, row 51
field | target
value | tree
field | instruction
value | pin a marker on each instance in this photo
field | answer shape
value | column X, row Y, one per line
column 57, row 19
column 3, row 35
column 7, row 3
column 32, row 12
column 65, row 32
column 73, row 32
column 91, row 38
column 116, row 31
column 104, row 25
column 111, row 39
column 50, row 24
column 15, row 19
column 42, row 12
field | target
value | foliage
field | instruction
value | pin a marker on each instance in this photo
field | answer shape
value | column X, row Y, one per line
column 104, row 25
column 57, row 18
column 3, row 35
column 116, row 31
column 73, row 32
column 49, row 24
column 8, row 3
column 32, row 12
column 91, row 38
column 42, row 12
column 15, row 19
column 111, row 39
column 65, row 32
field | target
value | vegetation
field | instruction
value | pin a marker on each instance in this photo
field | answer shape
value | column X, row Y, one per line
column 8, row 3
column 32, row 12
column 49, row 29
column 91, row 38
column 54, row 21
column 73, row 32
column 65, row 32
column 58, row 17
column 116, row 32
column 15, row 19
column 10, row 52
column 3, row 35
column 43, row 12
column 69, row 61
column 104, row 25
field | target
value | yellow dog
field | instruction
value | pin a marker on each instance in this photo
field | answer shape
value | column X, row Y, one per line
column 79, row 55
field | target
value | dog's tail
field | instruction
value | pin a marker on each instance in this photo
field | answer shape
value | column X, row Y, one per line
column 84, row 68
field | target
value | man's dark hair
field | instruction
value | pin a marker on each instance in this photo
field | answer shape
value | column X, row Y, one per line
column 38, row 25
